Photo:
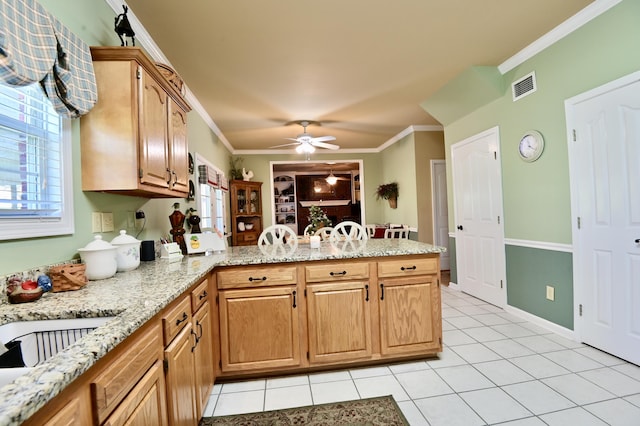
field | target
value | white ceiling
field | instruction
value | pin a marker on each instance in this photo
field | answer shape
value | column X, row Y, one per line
column 359, row 67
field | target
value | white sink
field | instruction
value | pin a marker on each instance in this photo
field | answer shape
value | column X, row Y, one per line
column 40, row 340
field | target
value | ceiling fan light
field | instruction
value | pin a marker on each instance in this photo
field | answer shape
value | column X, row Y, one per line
column 331, row 179
column 305, row 148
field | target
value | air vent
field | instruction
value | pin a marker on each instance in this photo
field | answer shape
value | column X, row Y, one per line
column 524, row 86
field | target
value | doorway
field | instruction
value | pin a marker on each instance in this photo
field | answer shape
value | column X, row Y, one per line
column 603, row 126
column 477, row 189
column 440, row 209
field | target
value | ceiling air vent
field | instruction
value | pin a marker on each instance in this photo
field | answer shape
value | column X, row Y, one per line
column 524, row 86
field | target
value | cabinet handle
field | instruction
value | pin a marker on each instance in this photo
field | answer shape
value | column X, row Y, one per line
column 251, row 279
column 199, row 324
column 184, row 318
column 381, row 291
column 169, row 180
column 408, row 268
column 202, row 295
column 366, row 287
column 175, row 177
column 193, row 348
column 294, row 298
column 338, row 273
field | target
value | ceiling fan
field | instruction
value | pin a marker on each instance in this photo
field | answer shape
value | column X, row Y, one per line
column 307, row 143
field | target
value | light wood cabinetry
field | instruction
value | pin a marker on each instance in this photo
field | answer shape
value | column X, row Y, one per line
column 204, row 359
column 145, row 405
column 246, row 209
column 339, row 322
column 259, row 328
column 65, row 411
column 181, row 382
column 410, row 306
column 134, row 141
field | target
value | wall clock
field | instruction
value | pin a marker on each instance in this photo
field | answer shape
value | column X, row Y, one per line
column 531, row 146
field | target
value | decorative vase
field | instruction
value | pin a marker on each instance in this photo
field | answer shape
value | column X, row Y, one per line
column 393, row 203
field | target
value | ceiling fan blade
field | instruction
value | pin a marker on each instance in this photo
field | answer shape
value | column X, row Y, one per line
column 286, row 144
column 293, row 139
column 323, row 139
column 324, row 145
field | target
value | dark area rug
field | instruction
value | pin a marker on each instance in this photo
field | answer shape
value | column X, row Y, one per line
column 382, row 411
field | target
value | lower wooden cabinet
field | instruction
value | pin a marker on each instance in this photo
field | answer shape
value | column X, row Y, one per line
column 146, row 403
column 259, row 328
column 180, row 378
column 410, row 315
column 72, row 411
column 203, row 357
column 339, row 320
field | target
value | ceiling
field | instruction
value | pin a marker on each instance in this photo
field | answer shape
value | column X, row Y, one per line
column 358, row 67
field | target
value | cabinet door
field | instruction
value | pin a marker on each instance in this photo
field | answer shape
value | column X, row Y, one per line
column 76, row 411
column 205, row 369
column 410, row 315
column 255, row 204
column 178, row 148
column 145, row 404
column 339, row 322
column 180, row 378
column 154, row 153
column 259, row 328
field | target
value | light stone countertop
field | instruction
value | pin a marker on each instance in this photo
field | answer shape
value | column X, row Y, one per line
column 133, row 298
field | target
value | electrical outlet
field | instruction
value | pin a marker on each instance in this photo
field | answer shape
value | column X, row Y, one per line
column 551, row 293
column 96, row 222
column 107, row 222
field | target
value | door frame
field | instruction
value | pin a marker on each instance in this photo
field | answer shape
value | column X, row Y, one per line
column 501, row 264
column 569, row 105
column 435, row 223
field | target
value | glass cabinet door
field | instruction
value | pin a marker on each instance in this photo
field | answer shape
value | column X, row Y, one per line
column 242, row 200
column 255, row 204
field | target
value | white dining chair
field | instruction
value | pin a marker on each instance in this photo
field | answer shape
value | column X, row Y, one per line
column 397, row 232
column 348, row 231
column 371, row 230
column 324, row 232
column 277, row 234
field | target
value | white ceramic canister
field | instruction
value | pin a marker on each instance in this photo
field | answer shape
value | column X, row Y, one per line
column 100, row 258
column 128, row 251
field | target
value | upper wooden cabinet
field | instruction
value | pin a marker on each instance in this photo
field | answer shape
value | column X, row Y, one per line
column 134, row 141
column 246, row 209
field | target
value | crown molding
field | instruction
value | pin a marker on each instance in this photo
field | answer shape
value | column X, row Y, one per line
column 590, row 12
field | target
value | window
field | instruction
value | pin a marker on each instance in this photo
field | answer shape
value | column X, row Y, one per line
column 211, row 199
column 36, row 196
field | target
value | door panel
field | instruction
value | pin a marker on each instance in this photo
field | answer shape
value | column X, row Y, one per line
column 478, row 209
column 605, row 176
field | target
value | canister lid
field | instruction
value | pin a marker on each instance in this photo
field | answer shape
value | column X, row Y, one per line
column 97, row 244
column 123, row 238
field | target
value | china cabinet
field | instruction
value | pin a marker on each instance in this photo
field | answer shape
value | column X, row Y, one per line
column 246, row 212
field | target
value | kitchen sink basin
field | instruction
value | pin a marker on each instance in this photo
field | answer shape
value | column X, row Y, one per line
column 39, row 341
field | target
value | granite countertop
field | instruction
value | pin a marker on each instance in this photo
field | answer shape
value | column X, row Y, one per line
column 134, row 297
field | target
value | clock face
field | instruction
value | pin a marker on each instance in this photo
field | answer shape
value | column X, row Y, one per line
column 531, row 146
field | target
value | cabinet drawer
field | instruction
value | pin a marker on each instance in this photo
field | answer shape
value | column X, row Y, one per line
column 199, row 295
column 406, row 267
column 115, row 382
column 175, row 319
column 256, row 277
column 336, row 271
column 247, row 237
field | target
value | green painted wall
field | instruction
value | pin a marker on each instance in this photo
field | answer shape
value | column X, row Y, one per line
column 92, row 20
column 536, row 195
column 428, row 146
column 533, row 270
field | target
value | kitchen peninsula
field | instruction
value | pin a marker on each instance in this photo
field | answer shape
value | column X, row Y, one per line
column 386, row 285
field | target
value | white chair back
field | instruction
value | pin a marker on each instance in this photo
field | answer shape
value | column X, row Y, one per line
column 348, row 231
column 324, row 233
column 278, row 234
column 371, row 230
column 397, row 233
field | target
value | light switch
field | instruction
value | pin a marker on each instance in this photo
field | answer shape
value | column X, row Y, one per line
column 107, row 222
column 96, row 222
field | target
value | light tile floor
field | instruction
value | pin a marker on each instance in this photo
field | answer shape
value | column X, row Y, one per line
column 495, row 369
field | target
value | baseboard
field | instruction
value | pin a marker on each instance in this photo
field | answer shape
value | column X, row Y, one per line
column 551, row 326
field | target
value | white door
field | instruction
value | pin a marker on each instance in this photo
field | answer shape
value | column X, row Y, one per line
column 477, row 190
column 440, row 209
column 605, row 179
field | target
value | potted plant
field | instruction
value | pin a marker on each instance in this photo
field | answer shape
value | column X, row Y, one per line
column 235, row 168
column 317, row 219
column 388, row 191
